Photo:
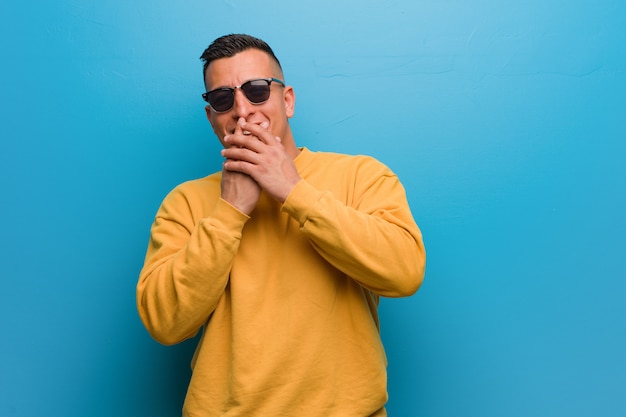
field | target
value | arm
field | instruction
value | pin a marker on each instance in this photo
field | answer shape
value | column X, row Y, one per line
column 371, row 238
column 187, row 267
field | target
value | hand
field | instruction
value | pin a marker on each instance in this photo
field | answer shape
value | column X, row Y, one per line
column 262, row 156
column 239, row 189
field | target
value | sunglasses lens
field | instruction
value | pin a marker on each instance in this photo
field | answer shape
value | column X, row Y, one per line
column 257, row 91
column 221, row 100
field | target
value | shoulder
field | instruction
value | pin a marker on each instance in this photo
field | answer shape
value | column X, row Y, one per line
column 207, row 184
column 352, row 163
column 196, row 196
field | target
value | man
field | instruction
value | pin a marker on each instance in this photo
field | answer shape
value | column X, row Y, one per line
column 280, row 257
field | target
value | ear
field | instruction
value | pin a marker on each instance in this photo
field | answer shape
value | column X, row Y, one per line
column 209, row 115
column 289, row 97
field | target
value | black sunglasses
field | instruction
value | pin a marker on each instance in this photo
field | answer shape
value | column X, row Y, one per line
column 257, row 91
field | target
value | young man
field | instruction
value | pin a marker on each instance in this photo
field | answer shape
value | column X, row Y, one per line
column 280, row 257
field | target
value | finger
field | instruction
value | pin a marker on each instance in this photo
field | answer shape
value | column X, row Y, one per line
column 260, row 131
column 236, row 153
column 264, row 125
column 250, row 142
column 231, row 140
column 239, row 126
column 240, row 166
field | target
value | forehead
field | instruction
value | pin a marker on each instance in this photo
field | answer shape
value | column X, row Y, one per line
column 235, row 70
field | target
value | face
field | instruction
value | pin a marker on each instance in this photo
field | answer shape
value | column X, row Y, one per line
column 236, row 70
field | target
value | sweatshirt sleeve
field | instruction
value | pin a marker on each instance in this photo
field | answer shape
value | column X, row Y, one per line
column 187, row 267
column 371, row 237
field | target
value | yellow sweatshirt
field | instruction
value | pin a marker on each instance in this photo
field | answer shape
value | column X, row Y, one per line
column 288, row 296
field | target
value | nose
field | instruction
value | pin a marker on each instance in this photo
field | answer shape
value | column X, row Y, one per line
column 242, row 107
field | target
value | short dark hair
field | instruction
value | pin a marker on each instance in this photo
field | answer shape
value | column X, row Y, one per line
column 229, row 45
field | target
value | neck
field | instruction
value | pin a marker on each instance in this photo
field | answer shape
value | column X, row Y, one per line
column 290, row 145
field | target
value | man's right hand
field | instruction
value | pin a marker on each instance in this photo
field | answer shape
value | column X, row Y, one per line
column 238, row 189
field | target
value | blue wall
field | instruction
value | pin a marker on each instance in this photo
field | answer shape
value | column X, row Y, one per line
column 505, row 121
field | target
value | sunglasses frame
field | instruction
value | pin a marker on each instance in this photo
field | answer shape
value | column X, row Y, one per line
column 205, row 96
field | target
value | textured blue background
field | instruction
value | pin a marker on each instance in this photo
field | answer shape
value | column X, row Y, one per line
column 505, row 121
